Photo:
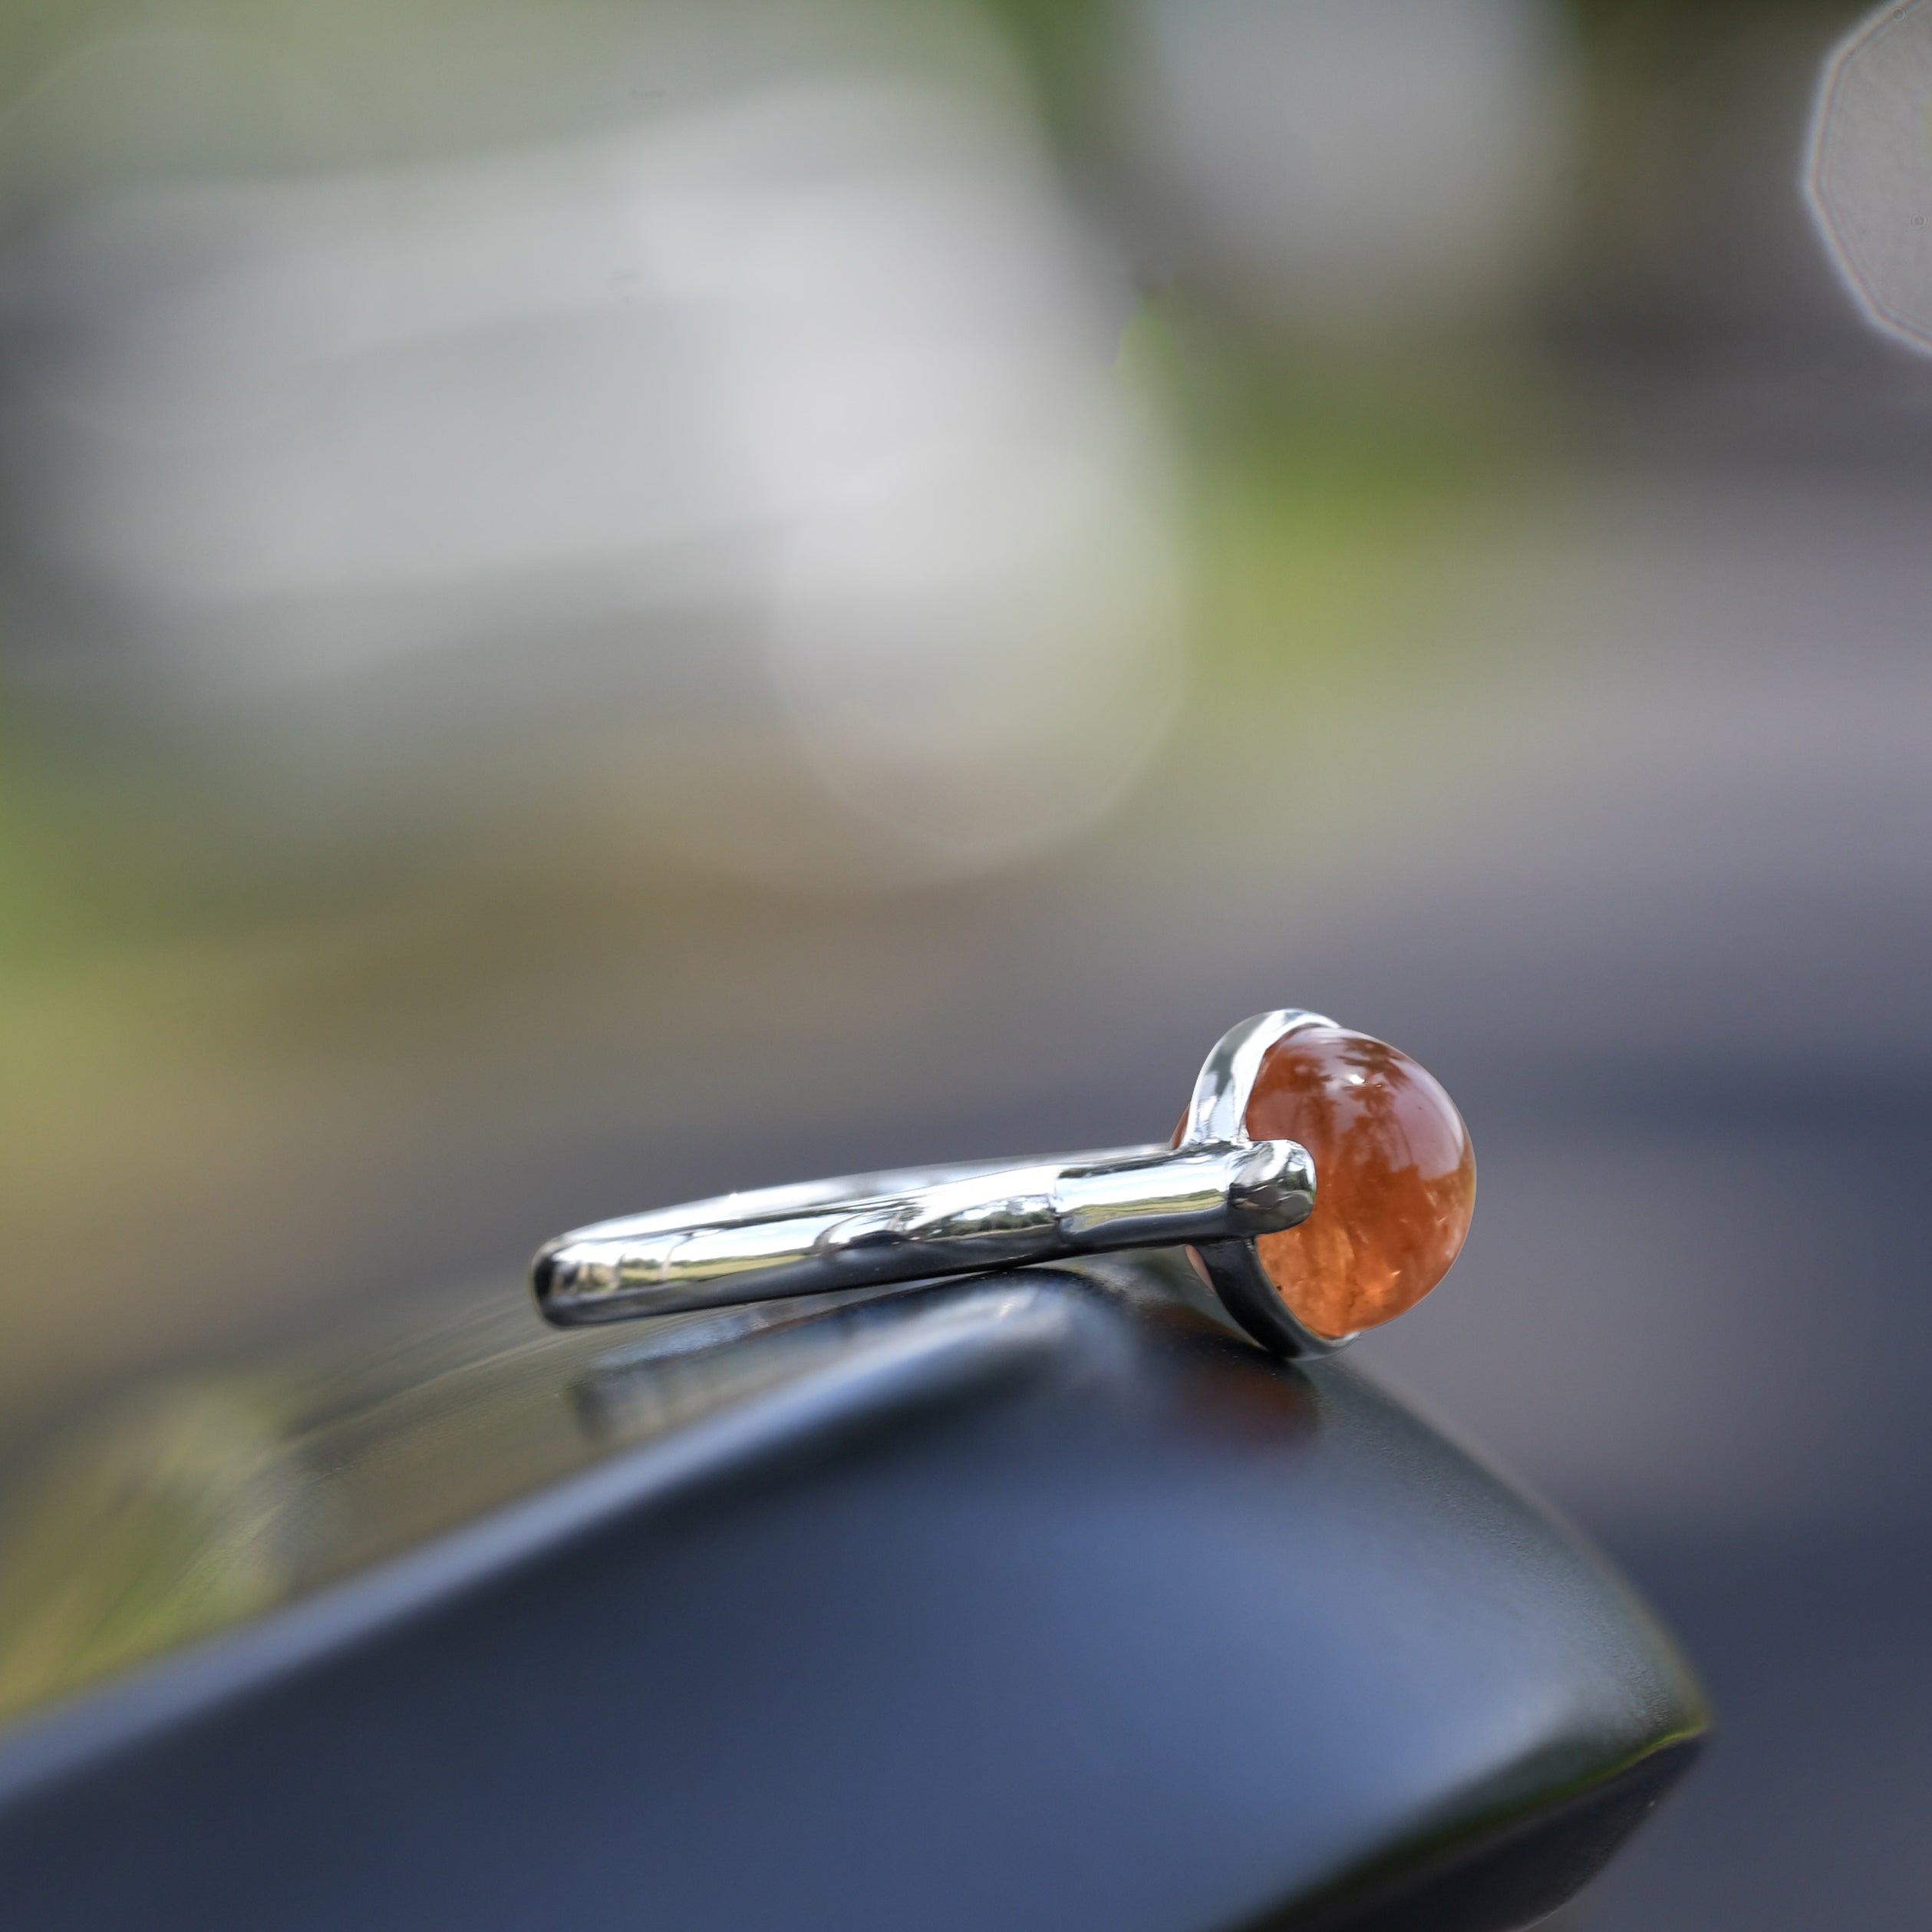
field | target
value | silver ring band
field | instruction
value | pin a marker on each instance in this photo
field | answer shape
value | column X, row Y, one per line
column 1215, row 1190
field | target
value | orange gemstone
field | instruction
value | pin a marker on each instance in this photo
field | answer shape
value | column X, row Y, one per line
column 1395, row 1178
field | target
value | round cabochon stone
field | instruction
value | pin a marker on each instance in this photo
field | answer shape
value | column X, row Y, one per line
column 1395, row 1178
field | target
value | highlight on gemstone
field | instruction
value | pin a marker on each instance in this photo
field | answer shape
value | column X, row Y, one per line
column 1395, row 1178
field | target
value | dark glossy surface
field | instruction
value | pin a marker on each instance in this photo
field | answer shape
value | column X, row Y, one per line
column 1041, row 1600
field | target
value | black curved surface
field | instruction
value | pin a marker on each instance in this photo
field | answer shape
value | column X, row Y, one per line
column 1042, row 1600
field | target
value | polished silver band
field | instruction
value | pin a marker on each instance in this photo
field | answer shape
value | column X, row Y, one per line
column 1215, row 1191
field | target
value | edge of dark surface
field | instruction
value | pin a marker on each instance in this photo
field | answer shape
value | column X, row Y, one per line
column 1503, row 1875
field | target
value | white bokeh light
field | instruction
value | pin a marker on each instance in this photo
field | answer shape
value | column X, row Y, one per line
column 766, row 450
column 1869, row 173
column 1386, row 166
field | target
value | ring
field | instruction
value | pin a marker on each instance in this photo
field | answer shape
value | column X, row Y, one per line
column 1283, row 1097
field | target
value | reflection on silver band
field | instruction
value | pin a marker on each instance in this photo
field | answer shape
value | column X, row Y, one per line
column 1215, row 1191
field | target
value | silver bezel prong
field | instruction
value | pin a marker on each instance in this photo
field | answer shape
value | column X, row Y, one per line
column 1218, row 1112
